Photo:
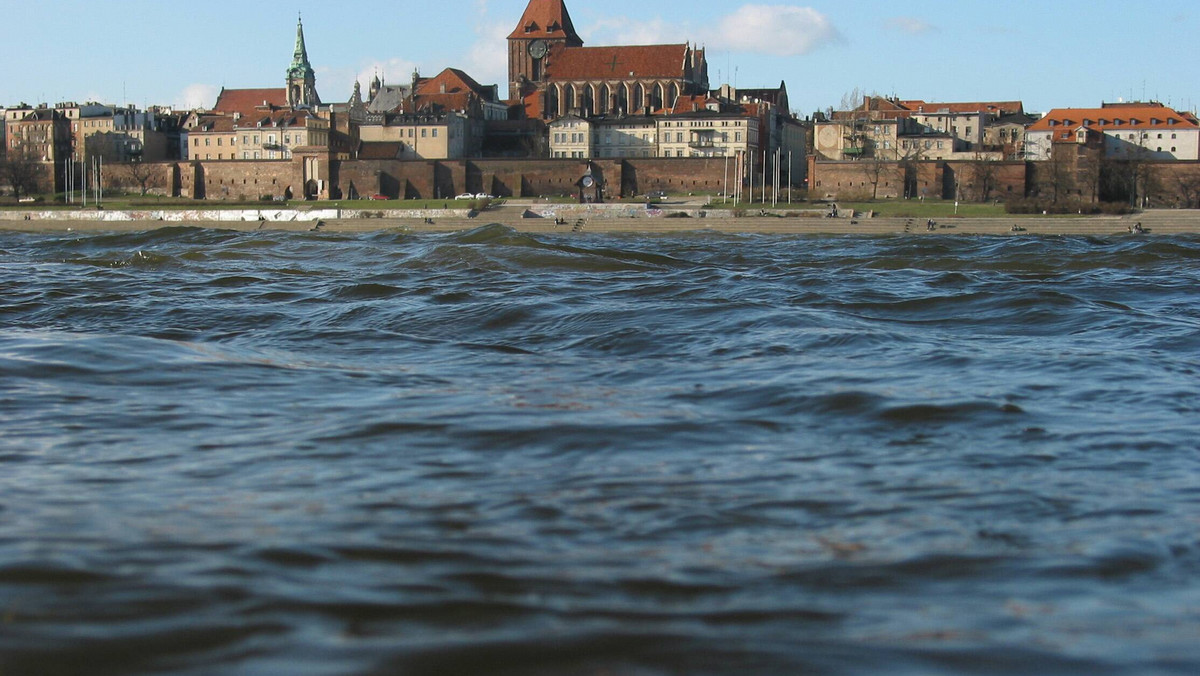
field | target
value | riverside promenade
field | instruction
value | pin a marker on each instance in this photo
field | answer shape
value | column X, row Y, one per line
column 533, row 216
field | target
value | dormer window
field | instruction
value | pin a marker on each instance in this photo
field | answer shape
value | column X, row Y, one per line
column 531, row 27
column 553, row 28
column 1117, row 122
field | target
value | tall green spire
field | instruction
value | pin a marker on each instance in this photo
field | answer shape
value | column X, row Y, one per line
column 300, row 67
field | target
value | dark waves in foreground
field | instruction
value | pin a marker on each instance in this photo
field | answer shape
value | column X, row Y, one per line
column 491, row 453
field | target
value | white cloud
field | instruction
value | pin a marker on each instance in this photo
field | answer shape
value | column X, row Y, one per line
column 487, row 59
column 780, row 30
column 910, row 25
column 393, row 71
column 625, row 31
column 197, row 96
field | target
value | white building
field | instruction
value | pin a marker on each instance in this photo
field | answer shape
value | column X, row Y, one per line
column 1131, row 131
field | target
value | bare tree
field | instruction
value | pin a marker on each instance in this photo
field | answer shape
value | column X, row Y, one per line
column 21, row 171
column 854, row 99
column 141, row 174
column 1187, row 186
column 908, row 165
column 874, row 167
column 1055, row 174
column 984, row 173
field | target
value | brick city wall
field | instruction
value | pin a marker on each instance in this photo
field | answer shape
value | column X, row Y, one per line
column 937, row 179
column 240, row 180
column 1174, row 184
column 437, row 179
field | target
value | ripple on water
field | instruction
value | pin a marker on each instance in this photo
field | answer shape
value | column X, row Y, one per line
column 493, row 451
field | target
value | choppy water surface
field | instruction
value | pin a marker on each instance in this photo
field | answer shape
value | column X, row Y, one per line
column 695, row 454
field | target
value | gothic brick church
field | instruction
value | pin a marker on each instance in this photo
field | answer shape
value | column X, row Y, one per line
column 552, row 74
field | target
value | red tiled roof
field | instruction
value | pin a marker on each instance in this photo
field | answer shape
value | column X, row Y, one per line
column 1105, row 119
column 452, row 81
column 545, row 19
column 382, row 150
column 533, row 105
column 603, row 63
column 213, row 124
column 992, row 107
column 689, row 104
column 276, row 118
column 245, row 101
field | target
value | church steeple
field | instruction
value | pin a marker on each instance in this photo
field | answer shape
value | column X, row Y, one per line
column 545, row 24
column 301, row 79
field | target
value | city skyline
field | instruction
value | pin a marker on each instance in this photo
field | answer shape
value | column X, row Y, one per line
column 181, row 55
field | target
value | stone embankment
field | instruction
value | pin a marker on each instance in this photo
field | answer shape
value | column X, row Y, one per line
column 571, row 218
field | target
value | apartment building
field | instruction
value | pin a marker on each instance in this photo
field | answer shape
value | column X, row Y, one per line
column 1147, row 131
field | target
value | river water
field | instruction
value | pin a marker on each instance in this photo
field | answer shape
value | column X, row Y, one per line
column 488, row 452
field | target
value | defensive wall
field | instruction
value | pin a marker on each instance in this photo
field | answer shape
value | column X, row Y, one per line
column 931, row 179
column 443, row 179
column 1168, row 184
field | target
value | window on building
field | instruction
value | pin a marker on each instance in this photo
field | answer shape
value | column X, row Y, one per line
column 207, row 141
column 423, row 133
column 435, row 131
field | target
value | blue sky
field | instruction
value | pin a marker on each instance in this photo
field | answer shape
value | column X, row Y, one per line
column 1048, row 54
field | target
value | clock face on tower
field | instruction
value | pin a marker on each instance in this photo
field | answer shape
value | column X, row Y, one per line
column 538, row 49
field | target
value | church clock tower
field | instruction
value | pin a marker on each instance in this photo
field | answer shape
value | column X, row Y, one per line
column 544, row 25
column 301, row 80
